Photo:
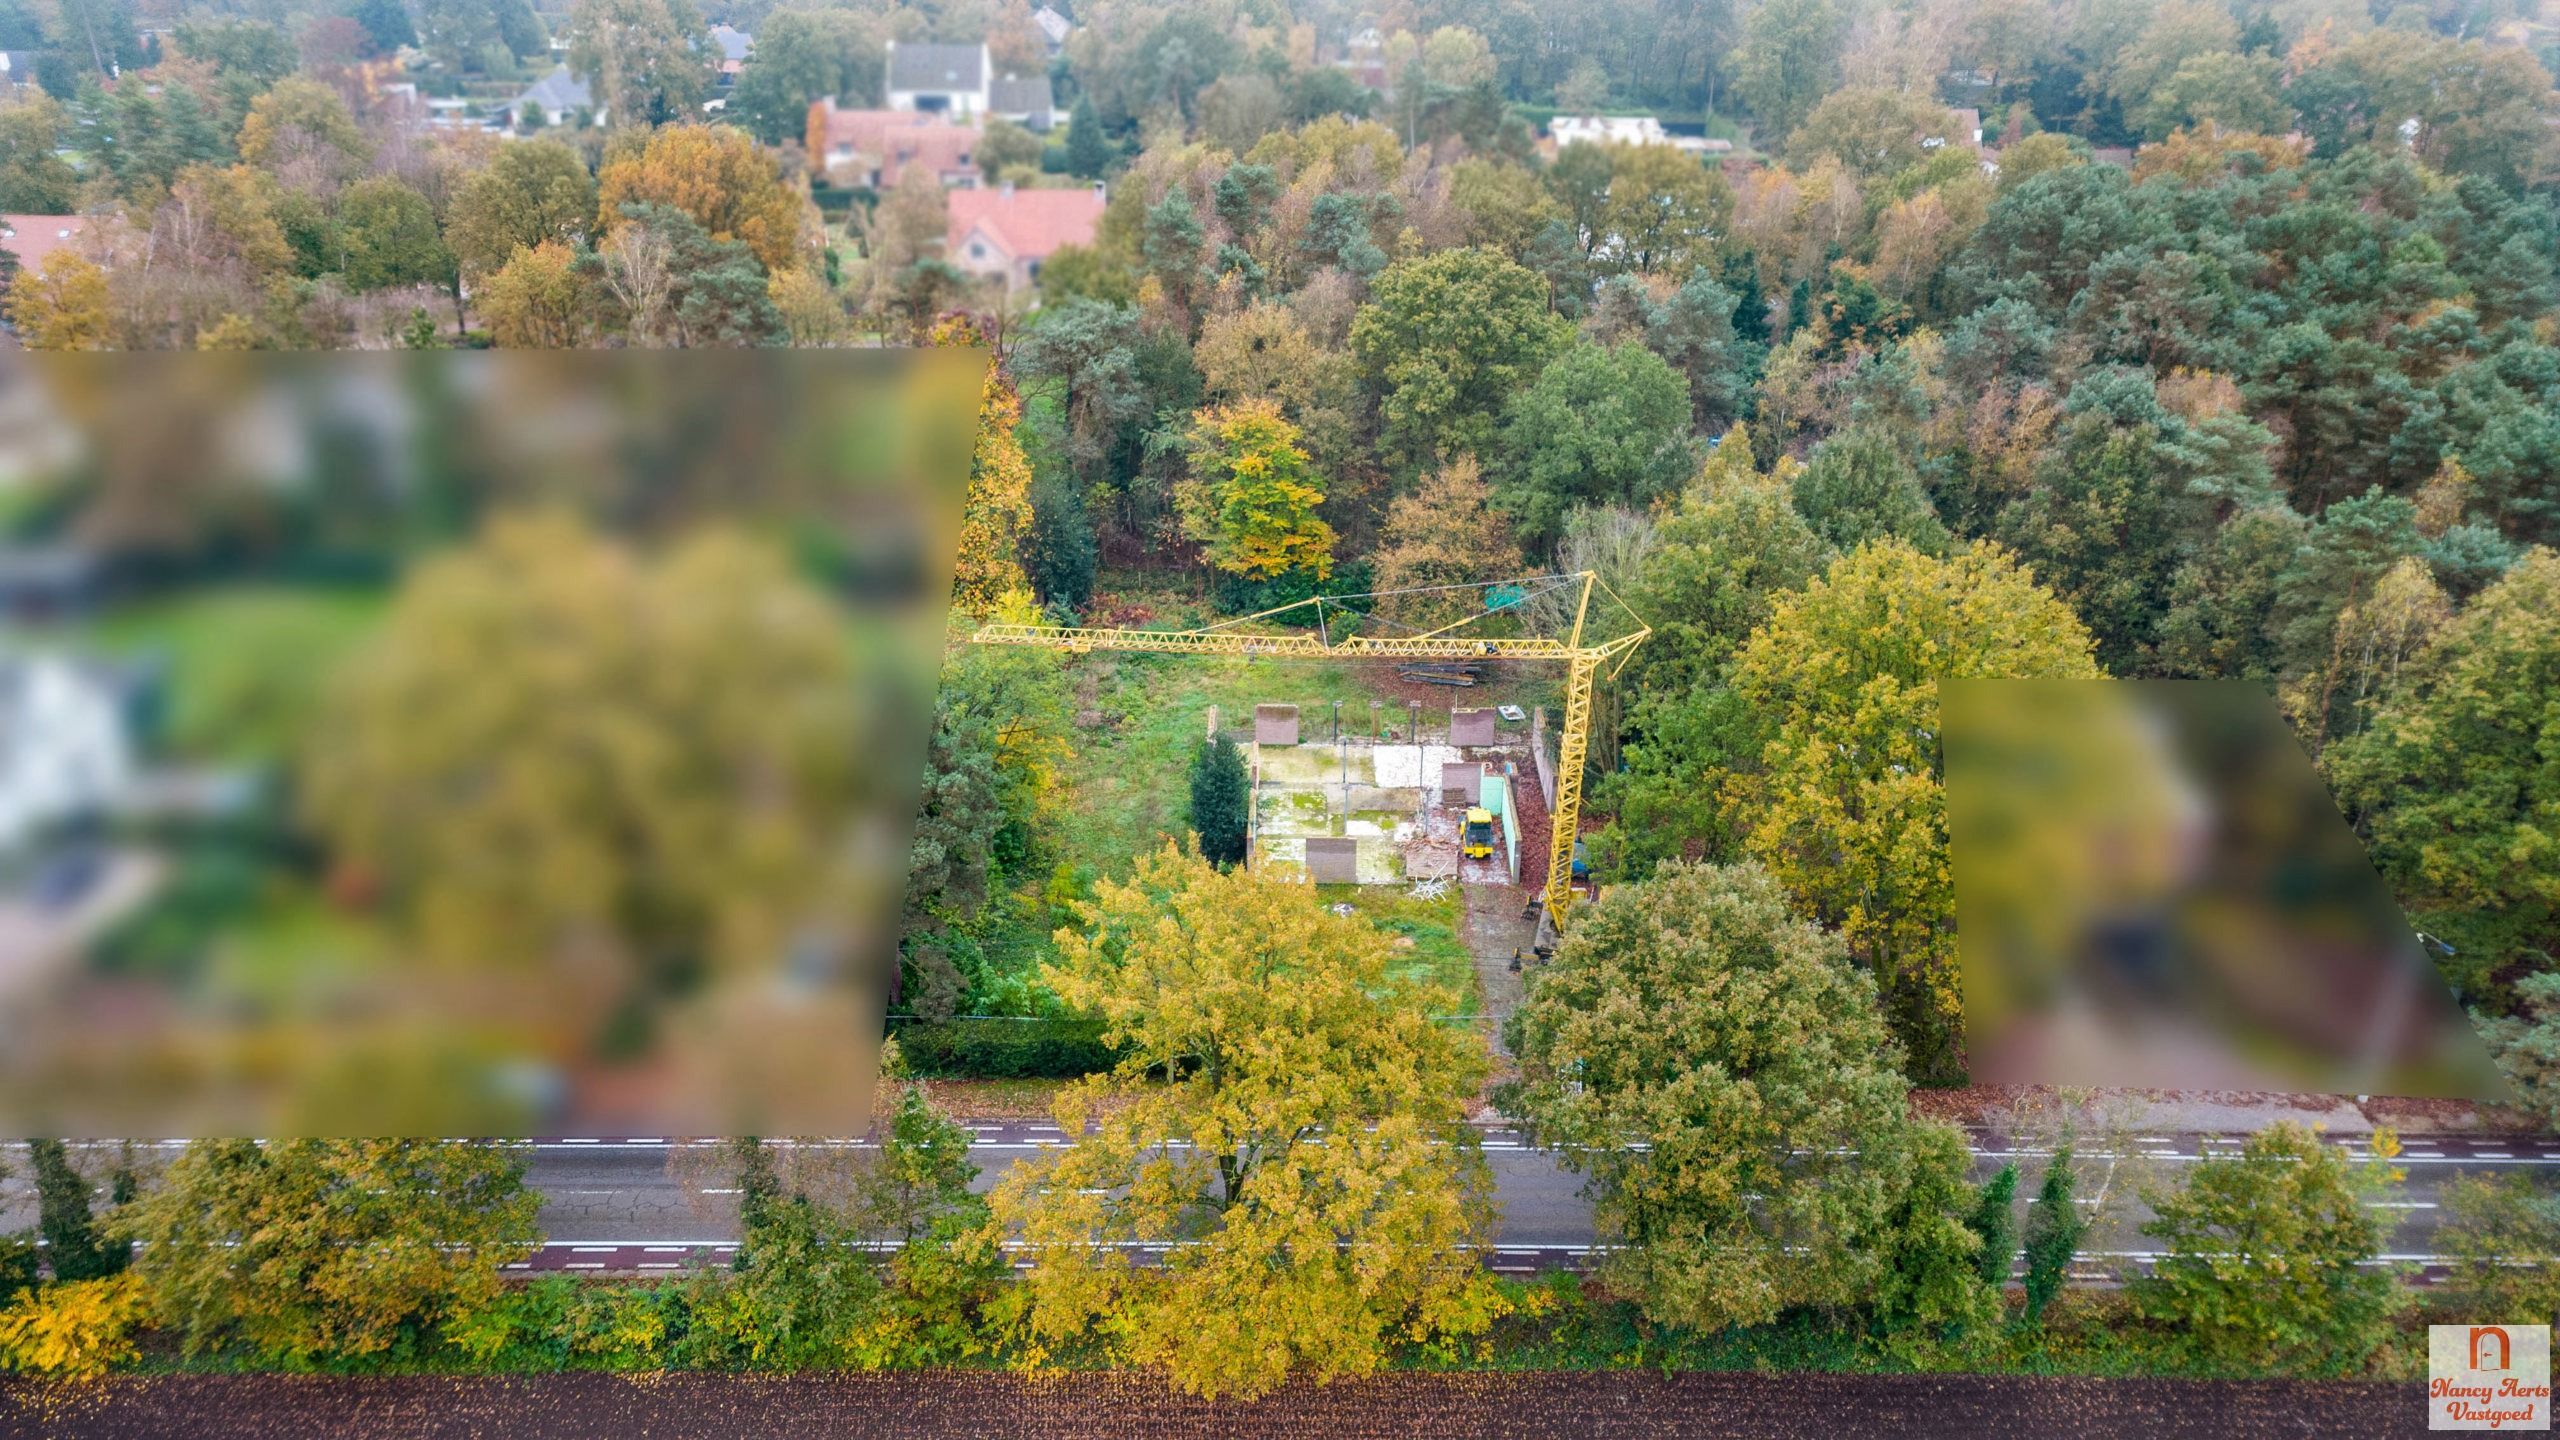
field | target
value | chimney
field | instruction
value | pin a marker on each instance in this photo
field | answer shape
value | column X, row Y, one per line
column 1005, row 189
column 1098, row 192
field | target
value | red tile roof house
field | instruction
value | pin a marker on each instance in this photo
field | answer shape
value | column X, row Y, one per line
column 874, row 147
column 1008, row 234
column 32, row 237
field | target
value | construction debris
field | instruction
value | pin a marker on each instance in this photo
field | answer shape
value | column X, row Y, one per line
column 1426, row 859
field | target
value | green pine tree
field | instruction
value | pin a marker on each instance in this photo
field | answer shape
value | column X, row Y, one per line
column 2054, row 1227
column 422, row 332
column 74, row 1245
column 758, row 1189
column 1087, row 149
column 1995, row 1221
column 1060, row 554
column 1219, row 801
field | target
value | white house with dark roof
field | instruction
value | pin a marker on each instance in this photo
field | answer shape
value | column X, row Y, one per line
column 950, row 79
column 960, row 81
column 560, row 97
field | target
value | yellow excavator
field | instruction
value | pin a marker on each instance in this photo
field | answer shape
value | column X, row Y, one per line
column 1478, row 843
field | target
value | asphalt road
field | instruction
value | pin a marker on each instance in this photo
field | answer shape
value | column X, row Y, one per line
column 616, row 1203
column 642, row 1204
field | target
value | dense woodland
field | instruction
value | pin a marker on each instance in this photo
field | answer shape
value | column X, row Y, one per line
column 2231, row 349
column 2271, row 399
column 2274, row 394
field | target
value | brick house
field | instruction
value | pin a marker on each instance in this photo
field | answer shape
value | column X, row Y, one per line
column 30, row 238
column 1008, row 233
column 874, row 147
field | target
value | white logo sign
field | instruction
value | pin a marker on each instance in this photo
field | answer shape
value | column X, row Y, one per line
column 2488, row 1377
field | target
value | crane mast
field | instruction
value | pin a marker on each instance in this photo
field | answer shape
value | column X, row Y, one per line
column 1583, row 665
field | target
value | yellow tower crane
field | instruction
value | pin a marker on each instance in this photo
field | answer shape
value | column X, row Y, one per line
column 1583, row 664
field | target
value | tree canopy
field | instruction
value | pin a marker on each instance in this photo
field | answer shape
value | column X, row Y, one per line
column 1724, row 1075
column 1326, row 1187
column 1843, row 802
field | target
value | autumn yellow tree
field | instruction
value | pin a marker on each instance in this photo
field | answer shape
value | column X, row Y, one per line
column 1917, row 236
column 2208, row 154
column 2443, row 499
column 1251, row 496
column 1445, row 533
column 302, row 132
column 2371, row 642
column 1265, row 352
column 716, row 174
column 812, row 315
column 299, row 1249
column 62, row 306
column 74, row 1330
column 1664, row 210
column 998, row 508
column 232, row 333
column 536, row 301
column 1300, row 1196
column 1848, row 811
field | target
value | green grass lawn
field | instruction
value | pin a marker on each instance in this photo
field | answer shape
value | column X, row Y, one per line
column 1437, row 956
column 1128, row 781
column 1129, row 785
column 248, row 665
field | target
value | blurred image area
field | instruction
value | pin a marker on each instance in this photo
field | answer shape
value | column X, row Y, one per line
column 2154, row 888
column 452, row 743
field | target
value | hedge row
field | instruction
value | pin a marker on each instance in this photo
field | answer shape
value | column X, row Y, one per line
column 1003, row 1049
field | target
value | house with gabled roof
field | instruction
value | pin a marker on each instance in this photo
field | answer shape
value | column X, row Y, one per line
column 938, row 79
column 872, row 148
column 1026, row 100
column 732, row 44
column 30, row 238
column 559, row 98
column 960, row 81
column 1008, row 233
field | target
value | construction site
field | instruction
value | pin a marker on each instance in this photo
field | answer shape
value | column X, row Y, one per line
column 1457, row 795
column 1464, row 792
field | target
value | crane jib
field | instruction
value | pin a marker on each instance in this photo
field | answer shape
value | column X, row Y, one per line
column 1583, row 663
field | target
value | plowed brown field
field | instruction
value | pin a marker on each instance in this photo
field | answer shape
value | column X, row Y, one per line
column 974, row 1404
